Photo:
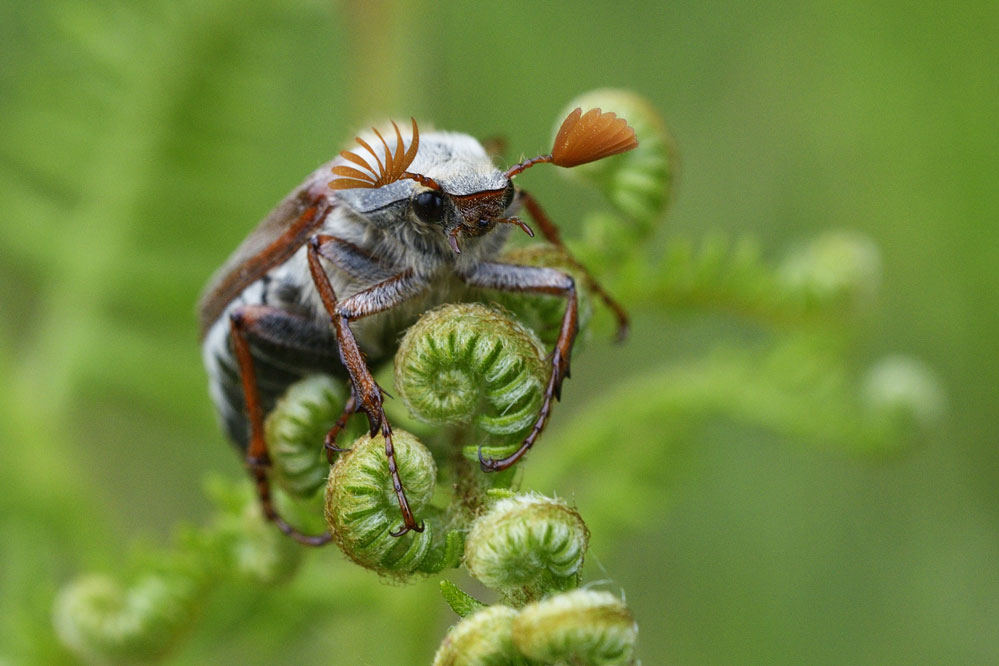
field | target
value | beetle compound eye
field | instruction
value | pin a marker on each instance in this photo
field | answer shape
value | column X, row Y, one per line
column 429, row 206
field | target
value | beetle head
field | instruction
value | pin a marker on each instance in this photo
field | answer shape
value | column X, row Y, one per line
column 448, row 183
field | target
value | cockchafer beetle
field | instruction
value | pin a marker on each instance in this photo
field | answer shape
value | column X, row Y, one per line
column 331, row 276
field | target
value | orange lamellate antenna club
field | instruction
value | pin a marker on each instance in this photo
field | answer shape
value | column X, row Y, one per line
column 591, row 136
column 585, row 137
column 391, row 170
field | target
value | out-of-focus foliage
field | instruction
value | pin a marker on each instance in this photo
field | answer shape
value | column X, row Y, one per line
column 141, row 141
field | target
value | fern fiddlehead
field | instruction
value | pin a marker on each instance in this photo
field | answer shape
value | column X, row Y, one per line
column 469, row 364
column 582, row 627
column 301, row 418
column 577, row 627
column 526, row 545
column 104, row 621
column 361, row 507
column 636, row 183
column 484, row 638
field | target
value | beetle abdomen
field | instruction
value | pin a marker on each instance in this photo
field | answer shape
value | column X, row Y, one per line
column 286, row 343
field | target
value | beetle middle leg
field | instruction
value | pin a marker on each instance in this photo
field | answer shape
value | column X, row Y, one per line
column 329, row 443
column 384, row 295
column 553, row 236
column 512, row 277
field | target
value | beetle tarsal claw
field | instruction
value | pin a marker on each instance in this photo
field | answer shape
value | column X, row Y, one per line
column 331, row 446
column 409, row 528
column 486, row 464
column 520, row 223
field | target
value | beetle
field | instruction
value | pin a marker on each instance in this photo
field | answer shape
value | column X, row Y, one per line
column 328, row 280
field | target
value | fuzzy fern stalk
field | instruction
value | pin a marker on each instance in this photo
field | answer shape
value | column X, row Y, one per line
column 470, row 379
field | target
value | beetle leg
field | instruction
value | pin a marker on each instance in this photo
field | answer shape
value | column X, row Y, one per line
column 329, row 444
column 353, row 260
column 553, row 236
column 511, row 277
column 378, row 298
column 258, row 460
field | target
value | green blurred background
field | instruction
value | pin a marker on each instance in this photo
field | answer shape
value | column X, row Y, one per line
column 141, row 141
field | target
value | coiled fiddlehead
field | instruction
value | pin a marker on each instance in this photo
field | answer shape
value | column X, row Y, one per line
column 103, row 621
column 469, row 363
column 581, row 627
column 527, row 545
column 901, row 388
column 362, row 511
column 295, row 429
column 482, row 639
column 249, row 546
column 836, row 266
column 578, row 627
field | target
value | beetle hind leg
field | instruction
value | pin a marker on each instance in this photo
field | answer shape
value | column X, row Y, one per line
column 258, row 460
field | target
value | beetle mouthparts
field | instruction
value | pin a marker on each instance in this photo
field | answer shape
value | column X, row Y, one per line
column 452, row 239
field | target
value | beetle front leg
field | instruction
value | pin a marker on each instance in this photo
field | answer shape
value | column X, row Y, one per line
column 511, row 277
column 368, row 395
